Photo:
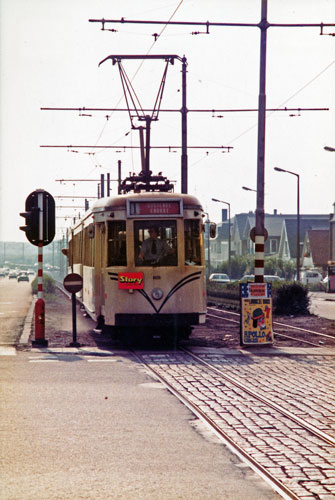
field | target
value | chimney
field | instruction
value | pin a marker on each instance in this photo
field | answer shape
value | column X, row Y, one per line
column 224, row 216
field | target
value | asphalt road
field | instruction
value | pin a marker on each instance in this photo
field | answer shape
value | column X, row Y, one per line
column 15, row 299
column 323, row 304
column 100, row 428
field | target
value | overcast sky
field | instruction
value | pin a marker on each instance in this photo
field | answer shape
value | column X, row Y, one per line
column 49, row 58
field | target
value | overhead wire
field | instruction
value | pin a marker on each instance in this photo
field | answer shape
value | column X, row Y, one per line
column 271, row 112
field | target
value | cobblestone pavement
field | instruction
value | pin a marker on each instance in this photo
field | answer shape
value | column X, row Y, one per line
column 302, row 461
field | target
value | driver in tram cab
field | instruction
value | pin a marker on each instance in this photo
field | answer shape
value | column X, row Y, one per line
column 153, row 248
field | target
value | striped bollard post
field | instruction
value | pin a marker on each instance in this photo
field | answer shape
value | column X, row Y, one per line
column 40, row 305
column 259, row 258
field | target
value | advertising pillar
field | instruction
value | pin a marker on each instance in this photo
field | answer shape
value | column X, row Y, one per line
column 256, row 313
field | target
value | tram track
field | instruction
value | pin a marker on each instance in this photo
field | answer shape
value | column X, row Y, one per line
column 232, row 409
column 321, row 337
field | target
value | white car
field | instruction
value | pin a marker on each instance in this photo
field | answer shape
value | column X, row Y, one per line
column 219, row 278
column 309, row 277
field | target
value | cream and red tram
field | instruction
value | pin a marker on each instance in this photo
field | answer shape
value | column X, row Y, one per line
column 104, row 248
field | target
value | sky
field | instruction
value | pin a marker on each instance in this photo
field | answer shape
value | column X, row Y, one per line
column 49, row 58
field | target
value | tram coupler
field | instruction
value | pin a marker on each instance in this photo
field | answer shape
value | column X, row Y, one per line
column 40, row 324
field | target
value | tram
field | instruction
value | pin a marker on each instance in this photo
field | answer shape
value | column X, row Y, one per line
column 122, row 286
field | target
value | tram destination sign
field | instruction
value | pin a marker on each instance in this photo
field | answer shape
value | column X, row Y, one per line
column 155, row 208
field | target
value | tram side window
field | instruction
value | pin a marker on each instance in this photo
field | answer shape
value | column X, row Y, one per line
column 117, row 249
column 76, row 248
column 155, row 243
column 88, row 259
column 192, row 242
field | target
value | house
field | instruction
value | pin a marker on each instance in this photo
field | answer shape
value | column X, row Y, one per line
column 288, row 239
column 273, row 224
column 282, row 237
column 315, row 252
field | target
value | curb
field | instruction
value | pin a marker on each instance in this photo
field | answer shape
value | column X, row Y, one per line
column 24, row 339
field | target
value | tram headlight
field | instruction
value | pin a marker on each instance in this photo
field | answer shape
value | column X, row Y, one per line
column 157, row 293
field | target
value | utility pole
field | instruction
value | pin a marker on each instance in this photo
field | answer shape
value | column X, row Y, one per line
column 263, row 25
column 260, row 233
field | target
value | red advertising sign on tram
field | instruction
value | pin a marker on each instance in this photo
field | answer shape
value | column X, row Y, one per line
column 131, row 281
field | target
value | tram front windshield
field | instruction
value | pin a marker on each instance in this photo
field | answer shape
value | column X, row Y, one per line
column 155, row 243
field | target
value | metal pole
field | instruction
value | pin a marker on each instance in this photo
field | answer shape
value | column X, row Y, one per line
column 298, row 227
column 260, row 238
column 184, row 159
column 229, row 241
column 208, row 249
column 108, row 184
column 74, row 342
column 147, row 145
column 141, row 129
column 119, row 176
column 102, row 183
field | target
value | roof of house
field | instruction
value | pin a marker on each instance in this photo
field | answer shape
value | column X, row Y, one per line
column 240, row 222
column 273, row 224
column 223, row 230
column 306, row 223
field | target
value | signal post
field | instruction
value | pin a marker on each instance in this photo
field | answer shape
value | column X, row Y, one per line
column 40, row 231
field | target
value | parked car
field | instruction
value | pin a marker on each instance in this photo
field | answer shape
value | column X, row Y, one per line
column 23, row 277
column 247, row 277
column 268, row 278
column 219, row 278
column 309, row 277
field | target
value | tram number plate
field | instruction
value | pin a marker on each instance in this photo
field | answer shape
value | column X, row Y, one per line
column 131, row 281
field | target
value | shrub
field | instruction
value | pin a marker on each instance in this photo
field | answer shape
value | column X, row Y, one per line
column 291, row 298
column 288, row 298
column 49, row 285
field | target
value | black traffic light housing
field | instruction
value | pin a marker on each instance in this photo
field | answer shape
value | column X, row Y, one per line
column 40, row 218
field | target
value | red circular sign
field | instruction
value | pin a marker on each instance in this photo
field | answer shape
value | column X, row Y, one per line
column 253, row 234
column 73, row 283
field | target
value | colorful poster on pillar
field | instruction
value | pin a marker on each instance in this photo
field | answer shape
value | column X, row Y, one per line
column 256, row 313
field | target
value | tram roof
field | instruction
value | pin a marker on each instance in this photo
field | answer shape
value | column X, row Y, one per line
column 121, row 200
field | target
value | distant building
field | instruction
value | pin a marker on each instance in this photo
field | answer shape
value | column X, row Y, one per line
column 317, row 233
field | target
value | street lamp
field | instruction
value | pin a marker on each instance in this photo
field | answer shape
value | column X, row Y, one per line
column 249, row 189
column 229, row 241
column 208, row 222
column 298, row 216
column 328, row 148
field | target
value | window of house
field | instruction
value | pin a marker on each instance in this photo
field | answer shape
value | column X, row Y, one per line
column 117, row 244
column 192, row 242
column 273, row 246
column 155, row 243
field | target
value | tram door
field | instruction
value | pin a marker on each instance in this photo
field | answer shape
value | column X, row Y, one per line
column 99, row 265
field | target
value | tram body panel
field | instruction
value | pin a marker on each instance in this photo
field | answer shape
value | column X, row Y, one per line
column 183, row 298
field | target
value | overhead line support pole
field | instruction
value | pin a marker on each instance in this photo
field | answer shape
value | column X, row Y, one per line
column 184, row 158
column 260, row 233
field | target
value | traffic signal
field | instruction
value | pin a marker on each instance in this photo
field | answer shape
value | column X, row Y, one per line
column 31, row 215
column 40, row 218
